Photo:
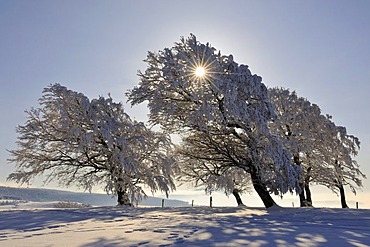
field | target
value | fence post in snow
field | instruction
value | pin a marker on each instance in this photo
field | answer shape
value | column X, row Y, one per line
column 162, row 203
column 210, row 201
column 356, row 205
column 192, row 203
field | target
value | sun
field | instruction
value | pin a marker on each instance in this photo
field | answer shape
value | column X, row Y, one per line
column 200, row 71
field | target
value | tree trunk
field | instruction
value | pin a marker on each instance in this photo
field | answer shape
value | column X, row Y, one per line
column 340, row 186
column 302, row 198
column 307, row 188
column 261, row 190
column 308, row 195
column 123, row 199
column 342, row 196
column 237, row 197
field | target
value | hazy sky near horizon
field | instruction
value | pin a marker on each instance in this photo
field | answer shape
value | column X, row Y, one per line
column 320, row 49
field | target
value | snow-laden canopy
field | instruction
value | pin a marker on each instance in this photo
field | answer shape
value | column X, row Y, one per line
column 325, row 151
column 227, row 101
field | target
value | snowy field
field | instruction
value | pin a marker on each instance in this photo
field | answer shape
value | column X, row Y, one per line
column 39, row 224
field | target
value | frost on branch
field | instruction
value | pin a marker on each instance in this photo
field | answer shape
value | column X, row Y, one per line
column 228, row 102
column 75, row 141
column 212, row 164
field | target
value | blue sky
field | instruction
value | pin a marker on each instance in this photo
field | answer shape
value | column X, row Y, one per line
column 318, row 48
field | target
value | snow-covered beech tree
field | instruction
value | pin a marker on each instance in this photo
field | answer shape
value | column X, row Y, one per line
column 342, row 148
column 297, row 126
column 191, row 87
column 75, row 141
column 315, row 142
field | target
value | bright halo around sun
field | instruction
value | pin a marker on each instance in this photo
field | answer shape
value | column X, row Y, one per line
column 200, row 71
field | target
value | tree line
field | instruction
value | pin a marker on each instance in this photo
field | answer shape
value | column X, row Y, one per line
column 236, row 134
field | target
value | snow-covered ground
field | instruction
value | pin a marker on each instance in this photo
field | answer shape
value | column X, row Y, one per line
column 39, row 224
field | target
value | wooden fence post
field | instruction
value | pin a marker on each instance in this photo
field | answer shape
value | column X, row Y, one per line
column 162, row 203
column 210, row 201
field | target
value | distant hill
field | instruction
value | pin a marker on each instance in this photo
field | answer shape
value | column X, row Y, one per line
column 45, row 195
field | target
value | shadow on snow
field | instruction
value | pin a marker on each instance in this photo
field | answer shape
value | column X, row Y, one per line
column 204, row 226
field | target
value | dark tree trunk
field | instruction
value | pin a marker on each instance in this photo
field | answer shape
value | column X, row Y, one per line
column 302, row 198
column 261, row 190
column 308, row 195
column 341, row 187
column 307, row 188
column 237, row 197
column 123, row 199
column 342, row 196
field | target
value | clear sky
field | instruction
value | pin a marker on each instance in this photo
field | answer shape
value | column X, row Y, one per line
column 321, row 49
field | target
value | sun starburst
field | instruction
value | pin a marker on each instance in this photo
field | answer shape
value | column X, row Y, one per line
column 200, row 71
